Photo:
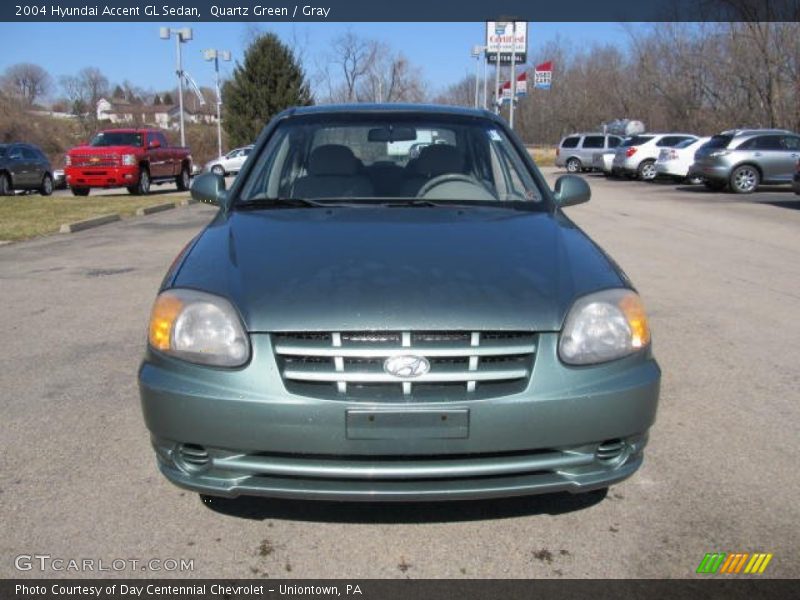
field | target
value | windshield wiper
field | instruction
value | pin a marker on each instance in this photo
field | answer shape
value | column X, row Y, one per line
column 421, row 202
column 267, row 203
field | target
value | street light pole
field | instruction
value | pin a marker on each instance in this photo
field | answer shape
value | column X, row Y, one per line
column 182, row 36
column 513, row 74
column 216, row 55
column 476, row 54
column 497, row 99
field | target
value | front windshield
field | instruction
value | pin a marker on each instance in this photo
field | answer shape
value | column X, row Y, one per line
column 117, row 138
column 384, row 158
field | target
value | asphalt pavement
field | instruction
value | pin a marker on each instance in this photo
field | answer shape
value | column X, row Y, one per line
column 720, row 275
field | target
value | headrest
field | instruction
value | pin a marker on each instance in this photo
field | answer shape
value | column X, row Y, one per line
column 332, row 159
column 438, row 159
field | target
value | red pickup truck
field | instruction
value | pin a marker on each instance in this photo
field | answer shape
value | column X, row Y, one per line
column 133, row 158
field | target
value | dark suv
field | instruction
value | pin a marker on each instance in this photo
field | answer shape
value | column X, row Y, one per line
column 24, row 167
column 742, row 159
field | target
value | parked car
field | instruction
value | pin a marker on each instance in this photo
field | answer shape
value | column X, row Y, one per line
column 636, row 156
column 603, row 161
column 796, row 180
column 575, row 152
column 24, row 167
column 742, row 159
column 330, row 337
column 131, row 158
column 675, row 162
column 231, row 163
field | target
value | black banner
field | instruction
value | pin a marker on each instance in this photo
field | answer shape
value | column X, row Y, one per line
column 408, row 10
column 372, row 589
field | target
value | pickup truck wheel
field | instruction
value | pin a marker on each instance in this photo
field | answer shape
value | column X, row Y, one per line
column 5, row 185
column 183, row 181
column 80, row 191
column 47, row 185
column 142, row 188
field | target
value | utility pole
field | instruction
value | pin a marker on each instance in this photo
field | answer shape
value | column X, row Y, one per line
column 182, row 36
column 513, row 74
column 499, row 30
column 476, row 54
column 216, row 55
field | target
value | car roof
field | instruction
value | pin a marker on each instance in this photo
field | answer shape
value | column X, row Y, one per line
column 747, row 132
column 367, row 108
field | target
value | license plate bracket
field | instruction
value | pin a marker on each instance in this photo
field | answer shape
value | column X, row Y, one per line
column 367, row 424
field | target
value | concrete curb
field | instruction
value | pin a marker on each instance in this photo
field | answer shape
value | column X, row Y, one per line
column 88, row 223
column 187, row 202
column 149, row 210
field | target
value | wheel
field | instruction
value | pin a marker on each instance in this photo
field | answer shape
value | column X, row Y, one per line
column 647, row 170
column 183, row 181
column 218, row 170
column 573, row 165
column 80, row 191
column 744, row 179
column 47, row 185
column 142, row 188
column 5, row 185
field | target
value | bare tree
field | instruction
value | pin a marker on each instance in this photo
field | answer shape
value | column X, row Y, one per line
column 26, row 81
column 84, row 90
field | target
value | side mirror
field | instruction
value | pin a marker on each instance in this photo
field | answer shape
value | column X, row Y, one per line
column 570, row 190
column 209, row 188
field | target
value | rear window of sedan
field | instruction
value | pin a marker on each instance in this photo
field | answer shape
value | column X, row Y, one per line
column 636, row 140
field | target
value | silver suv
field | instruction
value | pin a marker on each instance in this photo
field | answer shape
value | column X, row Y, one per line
column 741, row 159
column 576, row 152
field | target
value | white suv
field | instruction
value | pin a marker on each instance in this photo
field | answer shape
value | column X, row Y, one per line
column 636, row 156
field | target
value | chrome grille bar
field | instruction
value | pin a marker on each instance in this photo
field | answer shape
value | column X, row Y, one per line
column 469, row 359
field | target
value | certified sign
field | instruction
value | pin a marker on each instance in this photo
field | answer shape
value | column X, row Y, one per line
column 503, row 37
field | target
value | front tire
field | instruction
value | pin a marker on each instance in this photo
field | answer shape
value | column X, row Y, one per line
column 142, row 187
column 744, row 180
column 80, row 191
column 183, row 181
column 47, row 185
column 647, row 170
column 5, row 185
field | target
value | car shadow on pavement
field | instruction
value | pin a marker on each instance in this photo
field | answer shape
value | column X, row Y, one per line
column 402, row 512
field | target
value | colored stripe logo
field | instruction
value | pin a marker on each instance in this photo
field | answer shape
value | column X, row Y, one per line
column 734, row 563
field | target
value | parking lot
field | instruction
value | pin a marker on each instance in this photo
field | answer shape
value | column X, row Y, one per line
column 720, row 274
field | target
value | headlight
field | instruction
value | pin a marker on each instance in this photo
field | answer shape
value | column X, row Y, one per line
column 604, row 326
column 199, row 328
column 67, row 160
column 128, row 159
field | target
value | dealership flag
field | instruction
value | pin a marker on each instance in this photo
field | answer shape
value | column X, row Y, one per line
column 522, row 84
column 543, row 75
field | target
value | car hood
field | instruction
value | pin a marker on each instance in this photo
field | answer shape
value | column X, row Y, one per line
column 397, row 268
column 94, row 150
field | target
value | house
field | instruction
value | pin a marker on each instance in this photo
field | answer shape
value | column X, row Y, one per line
column 165, row 116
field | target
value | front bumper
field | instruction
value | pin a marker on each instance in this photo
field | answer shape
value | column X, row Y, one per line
column 102, row 177
column 232, row 433
column 671, row 169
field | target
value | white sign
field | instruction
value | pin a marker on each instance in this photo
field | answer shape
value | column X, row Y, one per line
column 505, row 37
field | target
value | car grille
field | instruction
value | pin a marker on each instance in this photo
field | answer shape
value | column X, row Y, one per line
column 95, row 160
column 464, row 365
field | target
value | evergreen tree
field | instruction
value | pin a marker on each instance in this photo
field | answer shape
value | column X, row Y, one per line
column 269, row 81
column 157, row 100
column 119, row 93
column 167, row 99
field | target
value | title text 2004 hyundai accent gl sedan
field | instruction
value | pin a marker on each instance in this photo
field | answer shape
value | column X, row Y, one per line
column 358, row 324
